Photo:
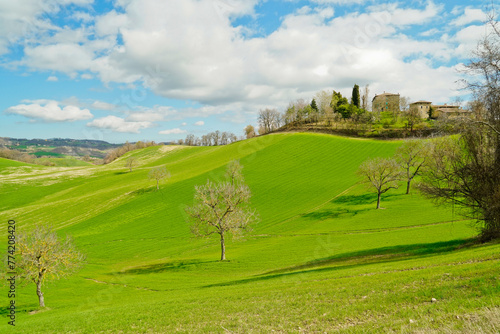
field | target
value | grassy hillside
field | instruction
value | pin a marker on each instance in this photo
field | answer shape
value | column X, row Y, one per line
column 321, row 259
column 10, row 163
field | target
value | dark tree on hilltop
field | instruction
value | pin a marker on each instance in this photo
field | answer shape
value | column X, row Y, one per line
column 314, row 106
column 465, row 171
column 355, row 100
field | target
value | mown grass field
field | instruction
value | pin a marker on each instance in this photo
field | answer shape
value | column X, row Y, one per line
column 321, row 259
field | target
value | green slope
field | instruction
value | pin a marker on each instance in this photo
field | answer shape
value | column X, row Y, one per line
column 10, row 163
column 319, row 244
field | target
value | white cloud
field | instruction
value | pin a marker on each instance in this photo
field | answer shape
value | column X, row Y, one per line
column 25, row 19
column 184, row 124
column 110, row 23
column 117, row 124
column 100, row 105
column 146, row 117
column 66, row 58
column 199, row 123
column 339, row 2
column 470, row 15
column 190, row 50
column 52, row 78
column 82, row 16
column 50, row 111
column 176, row 131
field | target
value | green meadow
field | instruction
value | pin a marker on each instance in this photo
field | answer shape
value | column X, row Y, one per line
column 322, row 259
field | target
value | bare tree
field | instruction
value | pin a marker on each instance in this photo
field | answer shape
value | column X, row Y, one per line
column 216, row 138
column 269, row 119
column 412, row 117
column 234, row 172
column 158, row 174
column 222, row 208
column 130, row 163
column 190, row 140
column 250, row 131
column 411, row 157
column 465, row 171
column 365, row 97
column 42, row 255
column 382, row 174
column 404, row 103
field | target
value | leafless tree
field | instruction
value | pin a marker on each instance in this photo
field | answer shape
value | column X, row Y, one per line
column 158, row 174
column 41, row 255
column 222, row 208
column 382, row 174
column 249, row 131
column 130, row 163
column 190, row 140
column 269, row 119
column 404, row 103
column 465, row 171
column 412, row 117
column 365, row 97
column 234, row 172
column 411, row 157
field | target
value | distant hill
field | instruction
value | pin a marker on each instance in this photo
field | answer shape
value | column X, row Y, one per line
column 57, row 142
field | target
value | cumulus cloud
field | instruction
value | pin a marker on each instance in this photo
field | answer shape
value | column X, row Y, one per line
column 470, row 15
column 192, row 50
column 176, row 131
column 199, row 123
column 25, row 19
column 117, row 124
column 50, row 111
column 52, row 78
column 63, row 57
column 100, row 105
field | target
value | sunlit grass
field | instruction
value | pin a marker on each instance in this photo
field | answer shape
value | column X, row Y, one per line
column 322, row 259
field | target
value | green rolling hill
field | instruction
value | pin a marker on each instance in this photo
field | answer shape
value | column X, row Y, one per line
column 321, row 259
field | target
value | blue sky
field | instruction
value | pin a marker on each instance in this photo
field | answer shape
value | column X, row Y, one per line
column 159, row 70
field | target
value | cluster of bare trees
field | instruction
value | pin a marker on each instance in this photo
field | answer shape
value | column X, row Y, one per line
column 215, row 138
column 385, row 174
column 325, row 107
column 465, row 171
column 127, row 147
column 270, row 120
column 16, row 155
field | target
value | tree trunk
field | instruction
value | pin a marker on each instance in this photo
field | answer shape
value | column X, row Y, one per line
column 157, row 184
column 39, row 293
column 222, row 248
column 408, row 187
column 378, row 201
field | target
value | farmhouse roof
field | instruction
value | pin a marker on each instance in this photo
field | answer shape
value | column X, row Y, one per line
column 421, row 102
column 445, row 106
column 384, row 94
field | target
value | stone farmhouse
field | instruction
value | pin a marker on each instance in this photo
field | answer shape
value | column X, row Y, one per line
column 390, row 102
column 385, row 102
column 427, row 109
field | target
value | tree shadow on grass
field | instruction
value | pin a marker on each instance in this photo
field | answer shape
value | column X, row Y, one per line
column 358, row 259
column 332, row 214
column 364, row 199
column 26, row 308
column 163, row 267
column 143, row 191
column 121, row 173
